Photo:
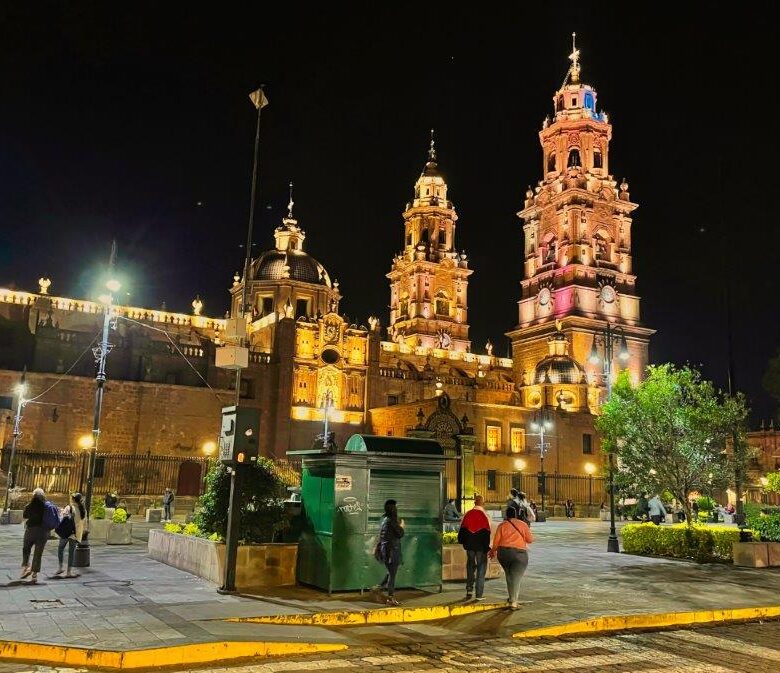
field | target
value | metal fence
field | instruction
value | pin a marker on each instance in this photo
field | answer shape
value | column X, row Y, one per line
column 495, row 487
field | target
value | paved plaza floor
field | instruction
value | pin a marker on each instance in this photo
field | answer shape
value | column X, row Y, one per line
column 126, row 600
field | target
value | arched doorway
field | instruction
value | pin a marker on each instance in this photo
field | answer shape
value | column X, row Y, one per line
column 190, row 474
column 445, row 427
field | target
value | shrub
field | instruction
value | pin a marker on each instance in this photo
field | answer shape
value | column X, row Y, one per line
column 765, row 521
column 700, row 543
column 192, row 529
column 120, row 515
column 262, row 496
column 450, row 537
column 98, row 511
column 705, row 503
column 173, row 527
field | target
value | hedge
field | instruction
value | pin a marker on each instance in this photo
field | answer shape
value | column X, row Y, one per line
column 700, row 543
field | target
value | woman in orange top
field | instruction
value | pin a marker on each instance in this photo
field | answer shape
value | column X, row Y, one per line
column 510, row 544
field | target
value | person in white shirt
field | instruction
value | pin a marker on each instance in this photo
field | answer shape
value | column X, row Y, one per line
column 657, row 511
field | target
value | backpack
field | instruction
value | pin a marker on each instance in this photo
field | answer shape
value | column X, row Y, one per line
column 51, row 516
column 522, row 514
column 66, row 528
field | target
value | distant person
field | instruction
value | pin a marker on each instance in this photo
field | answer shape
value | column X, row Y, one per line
column 70, row 532
column 167, row 504
column 695, row 510
column 641, row 509
column 111, row 500
column 526, row 510
column 388, row 548
column 41, row 517
column 474, row 535
column 514, row 501
column 656, row 510
column 510, row 546
column 569, row 507
column 451, row 515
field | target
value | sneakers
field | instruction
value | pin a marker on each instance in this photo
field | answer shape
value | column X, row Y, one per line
column 391, row 601
column 71, row 573
column 468, row 596
column 480, row 598
column 514, row 606
column 59, row 572
column 34, row 578
column 26, row 571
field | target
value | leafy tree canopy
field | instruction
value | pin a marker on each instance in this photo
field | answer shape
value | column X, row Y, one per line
column 670, row 432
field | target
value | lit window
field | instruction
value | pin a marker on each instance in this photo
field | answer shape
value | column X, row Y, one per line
column 493, row 437
column 517, row 439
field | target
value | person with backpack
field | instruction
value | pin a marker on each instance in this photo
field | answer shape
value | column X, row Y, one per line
column 526, row 510
column 41, row 517
column 388, row 548
column 474, row 535
column 510, row 546
column 70, row 532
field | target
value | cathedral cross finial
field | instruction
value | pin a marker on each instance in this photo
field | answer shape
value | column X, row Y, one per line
column 291, row 203
column 432, row 150
column 574, row 57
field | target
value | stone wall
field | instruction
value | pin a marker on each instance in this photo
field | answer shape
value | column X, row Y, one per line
column 260, row 565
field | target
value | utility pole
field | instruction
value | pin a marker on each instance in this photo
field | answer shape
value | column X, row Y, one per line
column 21, row 390
column 237, row 470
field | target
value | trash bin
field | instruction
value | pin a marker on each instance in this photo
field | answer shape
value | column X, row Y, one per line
column 343, row 496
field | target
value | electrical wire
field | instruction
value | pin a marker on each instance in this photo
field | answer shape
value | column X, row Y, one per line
column 62, row 376
column 178, row 350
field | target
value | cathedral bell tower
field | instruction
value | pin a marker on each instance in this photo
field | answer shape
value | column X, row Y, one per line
column 429, row 279
column 577, row 230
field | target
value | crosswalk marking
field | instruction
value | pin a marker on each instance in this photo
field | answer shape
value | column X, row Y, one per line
column 727, row 644
column 394, row 659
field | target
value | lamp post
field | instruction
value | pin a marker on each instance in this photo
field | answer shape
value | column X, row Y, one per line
column 84, row 443
column 100, row 352
column 608, row 338
column 21, row 391
column 590, row 468
column 541, row 423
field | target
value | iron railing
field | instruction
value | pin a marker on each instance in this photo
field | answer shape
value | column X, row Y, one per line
column 495, row 487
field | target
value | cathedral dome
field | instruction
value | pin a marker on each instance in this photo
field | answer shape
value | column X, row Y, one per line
column 559, row 369
column 290, row 264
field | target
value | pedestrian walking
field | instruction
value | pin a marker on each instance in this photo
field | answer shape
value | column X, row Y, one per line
column 656, row 510
column 111, row 499
column 514, row 501
column 527, row 510
column 167, row 504
column 569, row 508
column 41, row 517
column 70, row 532
column 474, row 535
column 510, row 546
column 451, row 513
column 388, row 548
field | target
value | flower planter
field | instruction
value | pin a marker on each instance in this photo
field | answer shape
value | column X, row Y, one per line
column 153, row 515
column 453, row 564
column 257, row 565
column 98, row 529
column 12, row 516
column 751, row 554
column 773, row 549
column 119, row 533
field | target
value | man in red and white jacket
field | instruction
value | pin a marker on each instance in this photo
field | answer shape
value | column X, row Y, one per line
column 474, row 535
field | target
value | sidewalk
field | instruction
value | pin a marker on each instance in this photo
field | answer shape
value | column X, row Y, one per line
column 127, row 601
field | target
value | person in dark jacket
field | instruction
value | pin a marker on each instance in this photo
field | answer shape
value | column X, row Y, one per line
column 35, row 535
column 390, row 533
column 474, row 535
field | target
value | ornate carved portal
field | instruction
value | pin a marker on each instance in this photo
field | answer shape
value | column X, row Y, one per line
column 445, row 428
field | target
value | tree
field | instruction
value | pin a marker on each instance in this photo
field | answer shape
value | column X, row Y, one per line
column 671, row 432
column 262, row 511
column 771, row 380
column 772, row 482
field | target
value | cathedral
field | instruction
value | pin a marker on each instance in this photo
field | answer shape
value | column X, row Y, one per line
column 418, row 374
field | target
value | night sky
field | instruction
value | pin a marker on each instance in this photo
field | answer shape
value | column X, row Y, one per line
column 132, row 121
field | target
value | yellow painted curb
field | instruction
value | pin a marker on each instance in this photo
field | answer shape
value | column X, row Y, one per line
column 608, row 623
column 398, row 615
column 175, row 655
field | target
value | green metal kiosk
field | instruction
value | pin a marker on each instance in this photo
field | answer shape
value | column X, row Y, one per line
column 343, row 494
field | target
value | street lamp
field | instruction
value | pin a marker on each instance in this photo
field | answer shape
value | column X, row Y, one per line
column 100, row 352
column 209, row 448
column 84, row 442
column 590, row 468
column 608, row 339
column 21, row 391
column 539, row 424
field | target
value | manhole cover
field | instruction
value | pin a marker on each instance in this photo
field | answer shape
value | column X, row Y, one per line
column 108, row 583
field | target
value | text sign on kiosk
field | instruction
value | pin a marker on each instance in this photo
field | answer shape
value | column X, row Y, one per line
column 238, row 437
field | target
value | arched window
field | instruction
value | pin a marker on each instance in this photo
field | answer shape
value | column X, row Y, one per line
column 425, row 236
column 598, row 162
column 442, row 237
column 442, row 304
column 574, row 158
column 551, row 162
column 600, row 245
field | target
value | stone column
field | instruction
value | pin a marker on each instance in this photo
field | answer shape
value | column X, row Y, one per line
column 466, row 444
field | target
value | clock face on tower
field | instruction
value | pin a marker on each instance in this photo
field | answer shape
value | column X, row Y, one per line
column 608, row 294
column 544, row 296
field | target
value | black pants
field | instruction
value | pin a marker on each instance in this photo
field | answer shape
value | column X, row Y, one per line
column 392, row 563
column 36, row 536
column 656, row 519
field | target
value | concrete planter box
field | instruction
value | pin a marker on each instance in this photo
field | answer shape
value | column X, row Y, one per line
column 119, row 533
column 751, row 554
column 154, row 515
column 12, row 516
column 453, row 564
column 98, row 530
column 258, row 565
column 773, row 549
